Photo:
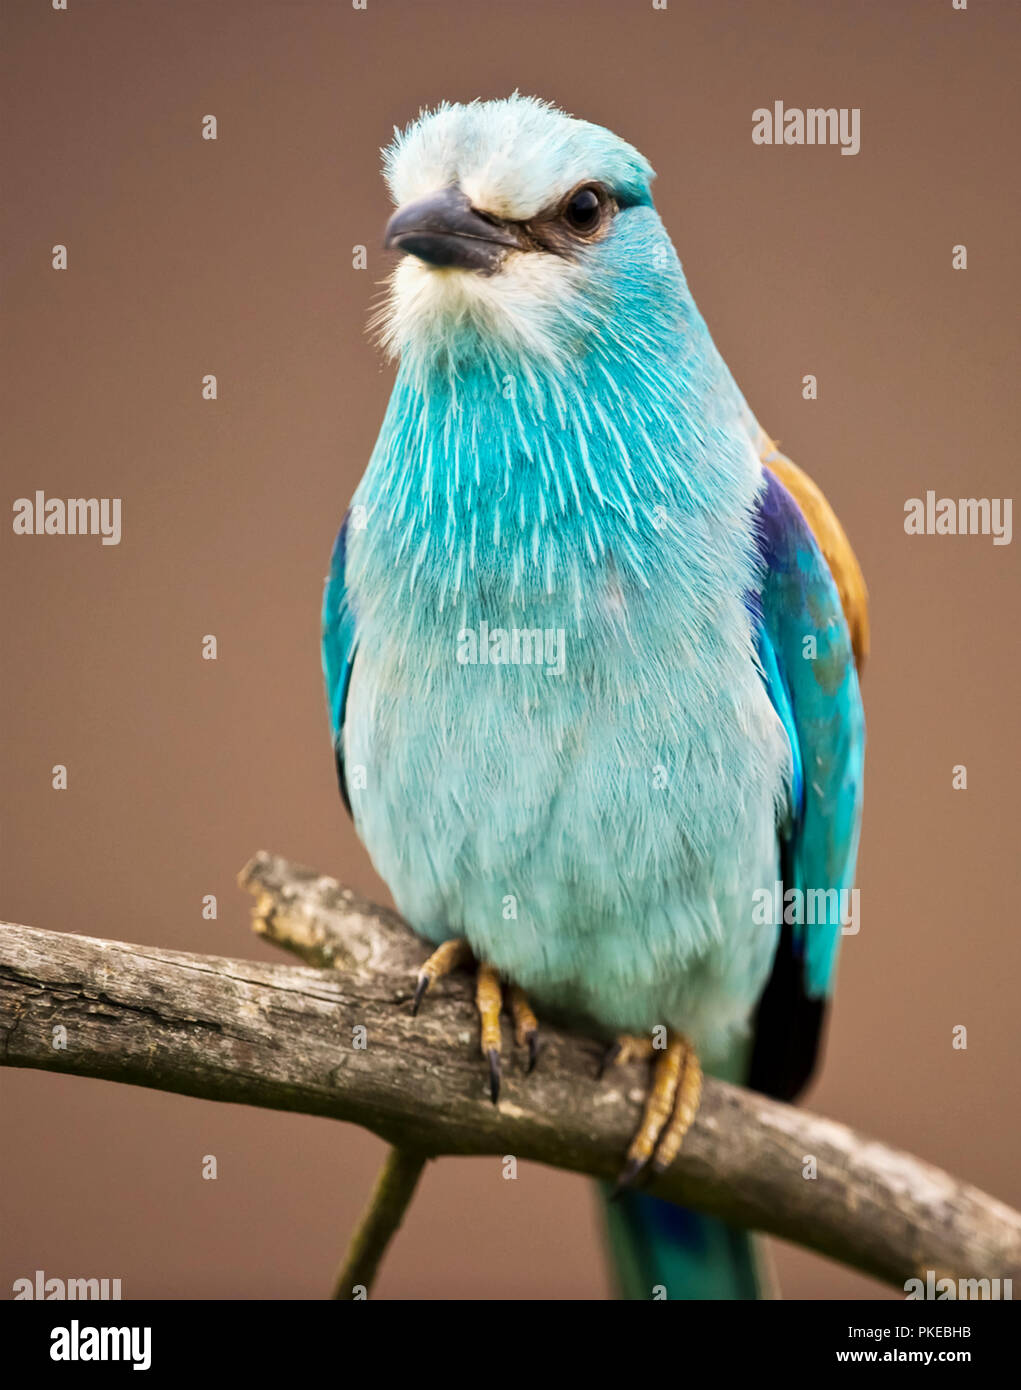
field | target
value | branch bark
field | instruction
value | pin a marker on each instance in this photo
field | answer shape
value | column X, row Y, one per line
column 285, row 1037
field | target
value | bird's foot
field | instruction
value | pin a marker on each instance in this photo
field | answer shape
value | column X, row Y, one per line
column 488, row 1002
column 626, row 1048
column 443, row 961
column 670, row 1106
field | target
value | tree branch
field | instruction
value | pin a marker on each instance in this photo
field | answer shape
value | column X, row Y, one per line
column 287, row 1038
column 393, row 1192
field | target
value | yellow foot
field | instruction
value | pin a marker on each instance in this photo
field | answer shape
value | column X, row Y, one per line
column 526, row 1025
column 488, row 999
column 488, row 1002
column 626, row 1048
column 443, row 961
column 670, row 1107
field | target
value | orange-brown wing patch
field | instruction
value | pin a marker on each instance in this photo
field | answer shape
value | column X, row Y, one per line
column 832, row 541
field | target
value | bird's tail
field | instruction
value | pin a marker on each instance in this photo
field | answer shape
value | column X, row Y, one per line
column 658, row 1250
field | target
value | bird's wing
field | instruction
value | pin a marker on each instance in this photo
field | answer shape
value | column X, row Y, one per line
column 338, row 647
column 815, row 692
column 831, row 539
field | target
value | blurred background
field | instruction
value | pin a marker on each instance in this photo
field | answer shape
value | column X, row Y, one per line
column 234, row 257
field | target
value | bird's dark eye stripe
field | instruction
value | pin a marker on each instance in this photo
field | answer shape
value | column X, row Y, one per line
column 563, row 227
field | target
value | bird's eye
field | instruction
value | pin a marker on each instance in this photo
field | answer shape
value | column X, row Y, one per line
column 583, row 211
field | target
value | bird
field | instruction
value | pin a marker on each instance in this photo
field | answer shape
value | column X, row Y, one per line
column 591, row 646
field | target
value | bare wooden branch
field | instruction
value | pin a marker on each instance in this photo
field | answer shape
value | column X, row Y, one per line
column 287, row 1037
column 395, row 1187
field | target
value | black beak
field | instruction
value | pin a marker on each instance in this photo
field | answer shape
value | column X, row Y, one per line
column 445, row 230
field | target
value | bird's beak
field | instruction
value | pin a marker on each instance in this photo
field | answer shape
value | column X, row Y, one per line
column 444, row 229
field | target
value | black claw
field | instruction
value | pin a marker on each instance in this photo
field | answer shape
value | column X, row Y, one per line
column 627, row 1178
column 494, row 1075
column 609, row 1057
column 420, row 989
column 533, row 1051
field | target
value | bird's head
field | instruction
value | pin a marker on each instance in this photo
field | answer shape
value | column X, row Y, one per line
column 527, row 237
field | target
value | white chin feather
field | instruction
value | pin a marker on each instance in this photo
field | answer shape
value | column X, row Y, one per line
column 434, row 315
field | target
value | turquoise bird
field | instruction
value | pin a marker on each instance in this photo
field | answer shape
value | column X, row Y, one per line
column 590, row 649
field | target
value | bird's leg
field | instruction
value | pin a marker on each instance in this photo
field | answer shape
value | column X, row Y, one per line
column 526, row 1025
column 443, row 961
column 626, row 1048
column 686, row 1103
column 488, row 1001
column 669, row 1110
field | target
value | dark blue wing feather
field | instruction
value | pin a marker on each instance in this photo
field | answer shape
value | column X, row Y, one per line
column 808, row 666
column 338, row 649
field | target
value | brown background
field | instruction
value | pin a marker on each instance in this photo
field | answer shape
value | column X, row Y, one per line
column 234, row 257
